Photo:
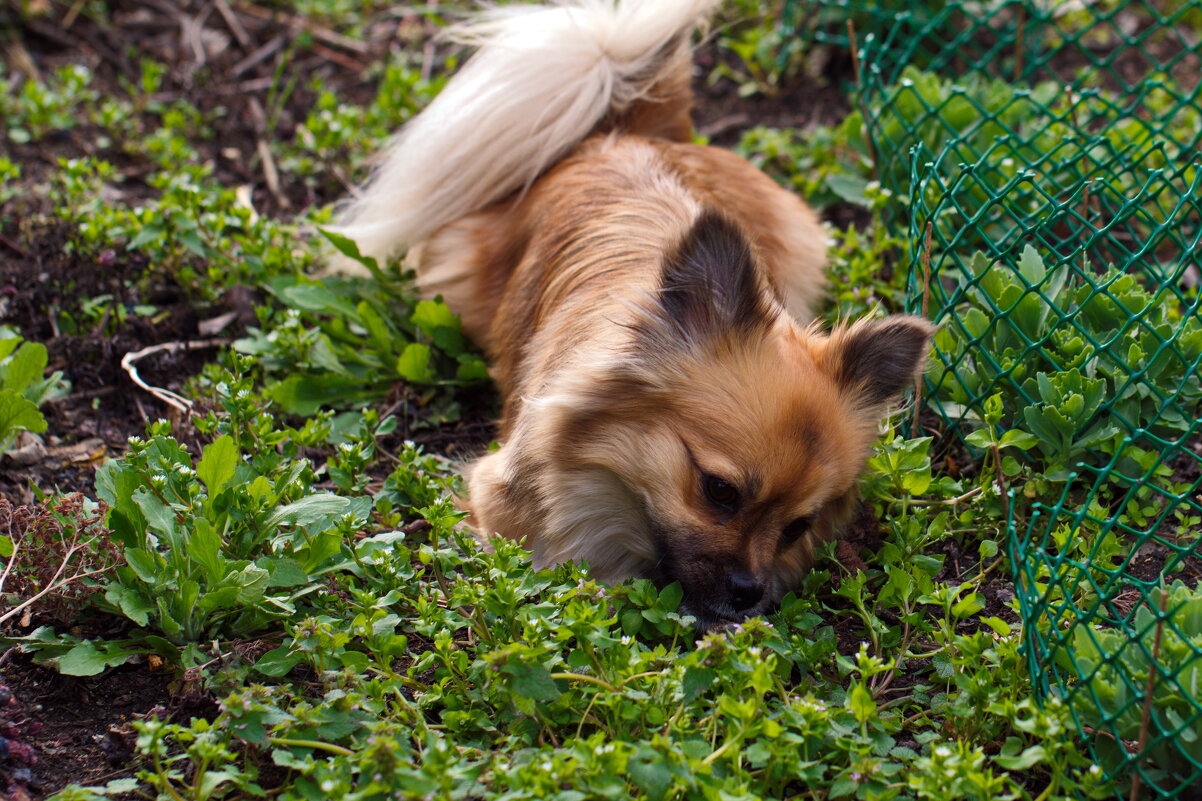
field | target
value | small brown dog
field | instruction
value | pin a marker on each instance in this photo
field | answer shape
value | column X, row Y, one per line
column 670, row 411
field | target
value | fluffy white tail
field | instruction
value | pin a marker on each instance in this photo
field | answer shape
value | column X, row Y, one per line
column 543, row 78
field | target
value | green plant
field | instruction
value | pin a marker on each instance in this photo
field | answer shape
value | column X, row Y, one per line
column 1060, row 346
column 767, row 51
column 341, row 342
column 1157, row 650
column 24, row 386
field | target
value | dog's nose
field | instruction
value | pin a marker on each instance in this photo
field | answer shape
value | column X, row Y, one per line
column 744, row 590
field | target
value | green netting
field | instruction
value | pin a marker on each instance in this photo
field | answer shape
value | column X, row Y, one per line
column 1044, row 159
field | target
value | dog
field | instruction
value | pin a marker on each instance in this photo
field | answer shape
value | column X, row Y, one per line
column 670, row 410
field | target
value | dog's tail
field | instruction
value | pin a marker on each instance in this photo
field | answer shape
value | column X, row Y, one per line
column 543, row 78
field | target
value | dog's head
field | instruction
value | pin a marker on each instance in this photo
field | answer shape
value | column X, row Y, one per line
column 739, row 432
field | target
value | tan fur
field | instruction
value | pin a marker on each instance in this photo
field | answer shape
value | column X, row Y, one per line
column 615, row 411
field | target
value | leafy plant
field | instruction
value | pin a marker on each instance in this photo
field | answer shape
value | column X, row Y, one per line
column 1116, row 666
column 24, row 387
column 1062, row 347
column 341, row 342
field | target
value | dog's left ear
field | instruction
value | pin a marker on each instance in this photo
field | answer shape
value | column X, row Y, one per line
column 708, row 286
column 874, row 360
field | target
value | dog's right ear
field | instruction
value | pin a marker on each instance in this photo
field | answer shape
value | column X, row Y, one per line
column 875, row 360
column 708, row 287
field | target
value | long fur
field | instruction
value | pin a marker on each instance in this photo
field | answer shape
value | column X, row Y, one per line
column 646, row 304
column 541, row 80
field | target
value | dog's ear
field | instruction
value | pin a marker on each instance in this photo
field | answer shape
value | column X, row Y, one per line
column 708, row 286
column 874, row 360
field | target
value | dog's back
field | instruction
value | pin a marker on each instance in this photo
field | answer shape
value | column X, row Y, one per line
column 598, row 225
column 567, row 117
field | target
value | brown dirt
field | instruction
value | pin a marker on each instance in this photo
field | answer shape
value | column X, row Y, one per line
column 80, row 727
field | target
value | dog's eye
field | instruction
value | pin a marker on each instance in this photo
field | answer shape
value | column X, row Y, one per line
column 720, row 493
column 793, row 531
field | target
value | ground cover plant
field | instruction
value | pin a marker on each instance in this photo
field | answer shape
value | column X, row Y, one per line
column 243, row 575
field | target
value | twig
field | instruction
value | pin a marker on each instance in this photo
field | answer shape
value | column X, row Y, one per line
column 231, row 22
column 271, row 174
column 172, row 399
column 12, row 560
column 52, row 585
column 13, row 246
column 926, row 305
column 72, row 14
column 1153, row 669
column 261, row 54
column 724, row 124
column 1000, row 478
column 330, row 54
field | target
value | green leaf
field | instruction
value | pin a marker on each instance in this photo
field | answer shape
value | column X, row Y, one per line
column 998, row 625
column 1029, row 758
column 25, row 367
column 309, row 510
column 284, row 572
column 349, row 248
column 17, row 413
column 430, row 315
column 671, row 596
column 651, row 774
column 278, row 662
column 849, row 188
column 149, row 233
column 86, row 659
column 304, row 394
column 145, row 564
column 696, row 681
column 1017, row 438
column 532, row 680
column 321, row 548
column 131, row 603
column 860, row 702
column 981, row 438
column 218, row 463
column 414, row 363
column 6, row 546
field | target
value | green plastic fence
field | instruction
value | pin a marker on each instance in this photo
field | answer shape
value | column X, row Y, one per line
column 1044, row 157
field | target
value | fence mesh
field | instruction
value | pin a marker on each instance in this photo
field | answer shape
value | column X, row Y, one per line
column 1044, row 160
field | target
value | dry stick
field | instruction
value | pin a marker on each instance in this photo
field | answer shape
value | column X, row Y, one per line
column 1000, row 478
column 926, row 306
column 855, row 68
column 344, row 61
column 232, row 22
column 72, row 14
column 1153, row 669
column 270, row 173
column 172, row 399
column 259, row 55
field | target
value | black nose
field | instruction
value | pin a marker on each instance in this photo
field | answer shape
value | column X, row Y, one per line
column 744, row 590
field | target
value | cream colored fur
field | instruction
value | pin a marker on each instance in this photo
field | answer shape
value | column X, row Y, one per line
column 542, row 79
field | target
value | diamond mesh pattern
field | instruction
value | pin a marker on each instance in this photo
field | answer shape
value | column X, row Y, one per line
column 1050, row 155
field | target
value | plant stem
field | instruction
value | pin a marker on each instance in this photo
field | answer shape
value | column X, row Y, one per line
column 316, row 745
column 584, row 677
column 1153, row 669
